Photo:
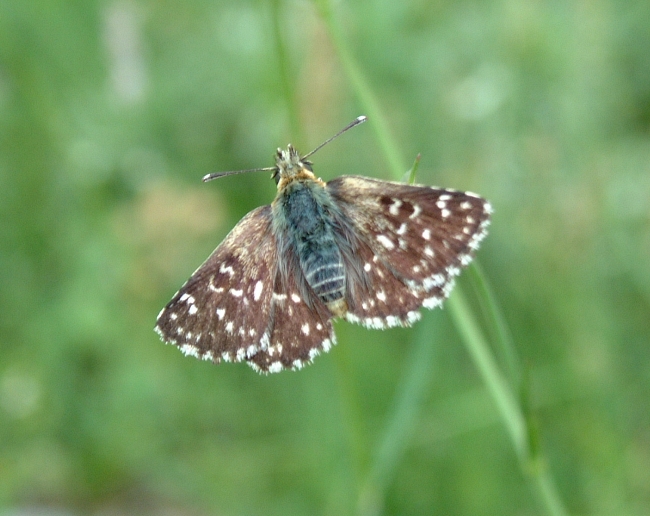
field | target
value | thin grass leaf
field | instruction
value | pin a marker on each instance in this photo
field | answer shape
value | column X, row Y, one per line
column 411, row 388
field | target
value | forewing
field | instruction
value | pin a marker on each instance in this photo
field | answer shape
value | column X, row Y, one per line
column 299, row 329
column 413, row 241
column 222, row 312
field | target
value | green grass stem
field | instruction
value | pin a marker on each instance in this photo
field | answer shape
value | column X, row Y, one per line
column 405, row 412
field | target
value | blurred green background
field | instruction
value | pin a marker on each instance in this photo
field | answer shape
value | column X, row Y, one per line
column 112, row 111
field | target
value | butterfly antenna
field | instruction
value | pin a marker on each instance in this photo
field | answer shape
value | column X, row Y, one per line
column 359, row 120
column 217, row 175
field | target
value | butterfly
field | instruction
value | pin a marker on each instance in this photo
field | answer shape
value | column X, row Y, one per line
column 369, row 251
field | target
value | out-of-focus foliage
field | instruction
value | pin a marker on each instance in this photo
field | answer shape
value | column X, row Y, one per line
column 110, row 113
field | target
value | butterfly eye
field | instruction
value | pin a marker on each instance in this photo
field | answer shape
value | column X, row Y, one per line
column 276, row 175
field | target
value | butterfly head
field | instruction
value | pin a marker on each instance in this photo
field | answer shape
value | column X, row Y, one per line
column 290, row 167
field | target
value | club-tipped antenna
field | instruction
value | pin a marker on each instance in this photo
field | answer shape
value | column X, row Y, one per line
column 358, row 120
column 215, row 175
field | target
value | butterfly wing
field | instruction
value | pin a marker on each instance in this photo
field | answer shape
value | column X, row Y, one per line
column 402, row 246
column 412, row 242
column 222, row 311
column 238, row 306
column 299, row 329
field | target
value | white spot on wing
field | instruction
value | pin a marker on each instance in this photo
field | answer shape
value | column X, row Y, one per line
column 416, row 212
column 213, row 288
column 413, row 316
column 386, row 242
column 226, row 270
column 374, row 322
column 305, row 328
column 190, row 350
column 353, row 318
column 258, row 290
column 437, row 280
column 432, row 302
column 393, row 321
column 275, row 367
column 394, row 208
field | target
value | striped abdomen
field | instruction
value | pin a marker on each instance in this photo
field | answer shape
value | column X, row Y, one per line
column 310, row 229
column 321, row 263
